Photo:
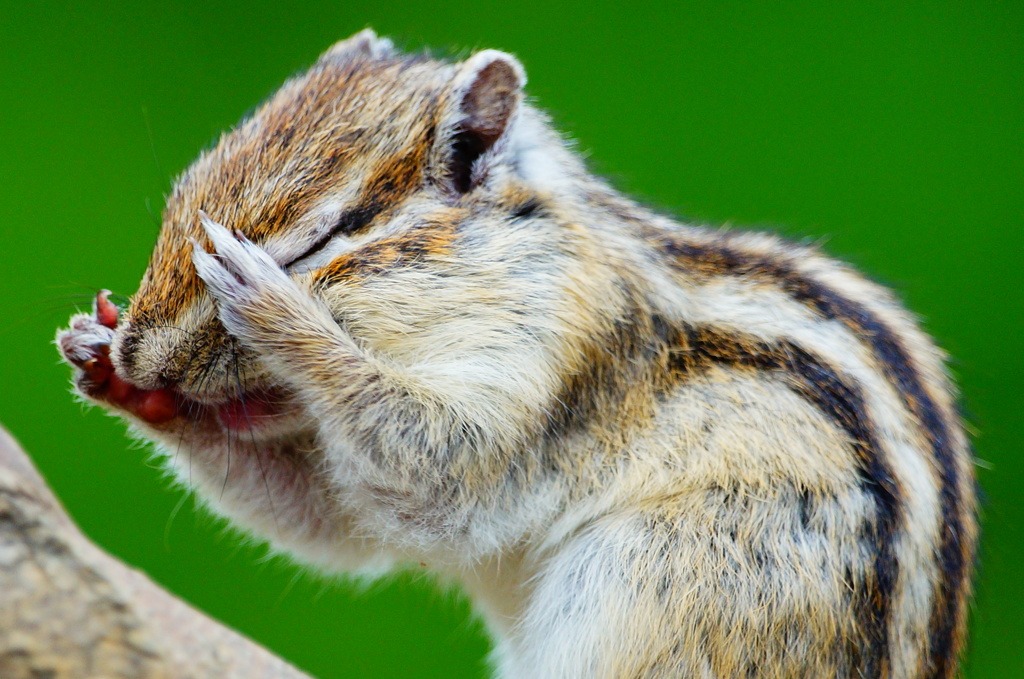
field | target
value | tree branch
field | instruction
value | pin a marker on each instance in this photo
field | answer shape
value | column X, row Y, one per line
column 69, row 610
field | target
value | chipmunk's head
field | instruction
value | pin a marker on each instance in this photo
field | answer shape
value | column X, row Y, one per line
column 368, row 163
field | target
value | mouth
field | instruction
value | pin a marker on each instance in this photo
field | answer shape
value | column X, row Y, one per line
column 259, row 409
column 264, row 409
column 256, row 410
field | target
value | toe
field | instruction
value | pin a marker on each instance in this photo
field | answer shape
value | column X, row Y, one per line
column 106, row 312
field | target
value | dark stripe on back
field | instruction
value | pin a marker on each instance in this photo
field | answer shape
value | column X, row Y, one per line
column 815, row 381
column 648, row 350
column 720, row 258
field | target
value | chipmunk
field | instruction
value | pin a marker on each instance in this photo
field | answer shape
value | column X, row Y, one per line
column 391, row 318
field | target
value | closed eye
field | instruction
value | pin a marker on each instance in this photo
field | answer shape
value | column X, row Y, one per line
column 348, row 224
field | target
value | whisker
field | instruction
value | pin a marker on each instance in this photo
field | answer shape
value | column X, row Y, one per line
column 76, row 284
column 165, row 326
column 154, row 217
column 170, row 520
column 255, row 449
column 192, row 407
column 34, row 313
column 204, row 377
column 75, row 296
column 227, row 469
column 152, row 147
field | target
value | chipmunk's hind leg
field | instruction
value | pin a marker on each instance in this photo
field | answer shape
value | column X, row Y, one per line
column 712, row 584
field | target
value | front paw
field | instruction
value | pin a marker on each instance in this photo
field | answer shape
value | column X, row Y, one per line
column 85, row 346
column 258, row 303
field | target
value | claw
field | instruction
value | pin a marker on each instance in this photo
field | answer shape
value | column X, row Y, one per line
column 217, row 233
column 99, row 371
column 229, row 249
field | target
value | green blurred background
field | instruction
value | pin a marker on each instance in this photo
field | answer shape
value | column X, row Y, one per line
column 890, row 131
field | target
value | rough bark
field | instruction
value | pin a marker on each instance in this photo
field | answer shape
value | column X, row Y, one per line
column 69, row 610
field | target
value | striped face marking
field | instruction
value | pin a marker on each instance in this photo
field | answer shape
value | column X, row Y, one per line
column 304, row 169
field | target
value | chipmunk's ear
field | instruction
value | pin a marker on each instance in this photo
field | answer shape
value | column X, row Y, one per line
column 365, row 44
column 482, row 103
